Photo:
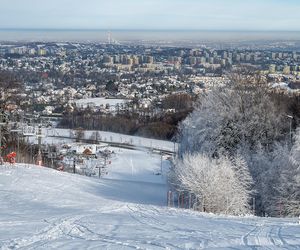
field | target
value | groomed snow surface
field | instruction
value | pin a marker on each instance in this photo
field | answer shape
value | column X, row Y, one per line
column 42, row 208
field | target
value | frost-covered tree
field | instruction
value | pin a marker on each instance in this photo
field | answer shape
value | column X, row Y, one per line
column 220, row 185
column 295, row 152
column 288, row 199
column 265, row 168
column 228, row 117
column 276, row 175
column 242, row 119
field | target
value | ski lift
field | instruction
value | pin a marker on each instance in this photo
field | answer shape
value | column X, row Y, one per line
column 29, row 131
column 16, row 130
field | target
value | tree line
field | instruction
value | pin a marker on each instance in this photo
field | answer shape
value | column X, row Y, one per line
column 240, row 150
column 142, row 121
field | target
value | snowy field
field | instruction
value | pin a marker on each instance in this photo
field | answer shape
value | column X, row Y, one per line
column 51, row 133
column 99, row 101
column 42, row 208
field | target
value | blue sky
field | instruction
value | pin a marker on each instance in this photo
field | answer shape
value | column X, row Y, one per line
column 151, row 14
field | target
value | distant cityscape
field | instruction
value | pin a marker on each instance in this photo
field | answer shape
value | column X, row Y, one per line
column 58, row 74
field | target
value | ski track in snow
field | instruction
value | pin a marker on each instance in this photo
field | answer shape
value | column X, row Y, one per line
column 68, row 227
column 266, row 236
column 261, row 236
column 147, row 217
column 45, row 209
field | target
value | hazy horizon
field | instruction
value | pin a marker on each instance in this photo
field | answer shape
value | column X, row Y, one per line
column 101, row 35
column 140, row 29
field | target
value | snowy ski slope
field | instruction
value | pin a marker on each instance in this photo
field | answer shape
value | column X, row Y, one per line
column 42, row 208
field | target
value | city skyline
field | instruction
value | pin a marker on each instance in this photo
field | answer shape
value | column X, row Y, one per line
column 220, row 15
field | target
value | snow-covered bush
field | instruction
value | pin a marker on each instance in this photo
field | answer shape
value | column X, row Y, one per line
column 221, row 185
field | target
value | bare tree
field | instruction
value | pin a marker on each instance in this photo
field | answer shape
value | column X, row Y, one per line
column 95, row 137
column 79, row 134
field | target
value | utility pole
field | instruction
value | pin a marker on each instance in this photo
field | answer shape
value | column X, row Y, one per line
column 18, row 148
column 104, row 165
column 99, row 171
column 1, row 160
column 31, row 154
column 291, row 120
column 2, row 123
column 39, row 156
column 161, row 163
column 74, row 165
column 0, row 138
column 174, row 149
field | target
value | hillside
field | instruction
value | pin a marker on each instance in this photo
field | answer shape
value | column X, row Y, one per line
column 42, row 208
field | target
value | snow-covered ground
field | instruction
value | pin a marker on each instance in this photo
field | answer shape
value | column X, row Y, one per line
column 42, row 208
column 141, row 166
column 99, row 101
column 51, row 133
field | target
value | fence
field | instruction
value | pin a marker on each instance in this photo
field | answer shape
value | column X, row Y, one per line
column 182, row 199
